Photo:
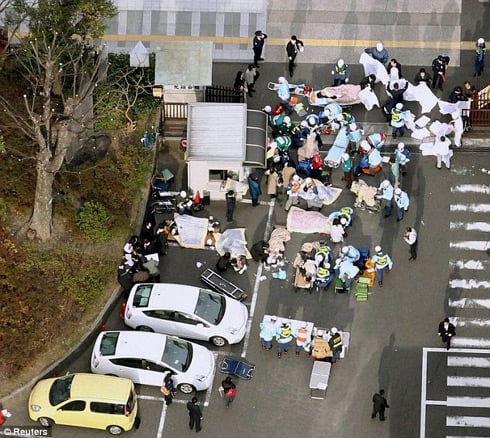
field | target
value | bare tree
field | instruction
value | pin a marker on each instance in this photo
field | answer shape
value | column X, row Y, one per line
column 60, row 61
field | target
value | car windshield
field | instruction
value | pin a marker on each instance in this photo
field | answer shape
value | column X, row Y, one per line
column 60, row 390
column 142, row 295
column 177, row 354
column 108, row 343
column 210, row 306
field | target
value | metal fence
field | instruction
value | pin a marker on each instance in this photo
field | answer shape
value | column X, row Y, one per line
column 221, row 94
column 480, row 108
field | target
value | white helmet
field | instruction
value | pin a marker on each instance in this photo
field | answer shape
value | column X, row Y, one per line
column 353, row 126
column 340, row 63
column 308, row 181
column 276, row 158
column 296, row 178
column 339, row 117
column 401, row 146
column 311, row 121
column 399, row 106
column 326, row 265
column 365, row 145
column 333, row 330
column 183, row 194
column 398, row 191
column 303, row 124
column 327, row 112
column 319, row 332
column 481, row 41
column 379, row 46
column 377, row 248
column 287, row 120
column 345, row 250
column 281, row 79
column 267, row 108
column 343, row 221
column 385, row 184
column 345, row 156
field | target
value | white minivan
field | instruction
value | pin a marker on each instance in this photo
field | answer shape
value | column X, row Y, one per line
column 186, row 311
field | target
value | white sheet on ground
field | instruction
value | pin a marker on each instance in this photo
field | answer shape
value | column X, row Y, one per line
column 368, row 98
column 427, row 149
column 449, row 108
column 192, row 231
column 422, row 121
column 421, row 94
column 372, row 66
column 421, row 133
column 233, row 241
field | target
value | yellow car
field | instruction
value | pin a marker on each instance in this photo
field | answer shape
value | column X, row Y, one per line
column 85, row 400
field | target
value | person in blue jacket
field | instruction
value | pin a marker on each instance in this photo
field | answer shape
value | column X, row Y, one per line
column 254, row 187
column 378, row 52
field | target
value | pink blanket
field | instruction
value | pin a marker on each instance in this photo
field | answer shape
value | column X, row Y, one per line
column 302, row 221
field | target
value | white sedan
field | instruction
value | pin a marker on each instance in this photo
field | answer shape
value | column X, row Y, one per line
column 146, row 358
column 186, row 311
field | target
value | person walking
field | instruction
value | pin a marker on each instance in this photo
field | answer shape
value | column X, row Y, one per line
column 267, row 332
column 381, row 262
column 446, row 331
column 254, row 187
column 258, row 45
column 293, row 46
column 379, row 405
column 229, row 390
column 230, row 205
column 402, row 202
column 168, row 388
column 480, row 52
column 443, row 152
column 195, row 414
column 410, row 237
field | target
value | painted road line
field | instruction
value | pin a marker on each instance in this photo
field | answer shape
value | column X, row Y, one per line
column 458, row 341
column 477, row 265
column 255, row 294
column 472, row 208
column 161, row 423
column 473, row 245
column 469, row 322
column 471, row 188
column 470, row 226
column 473, row 382
column 468, row 284
column 468, row 402
column 468, row 361
column 470, row 303
column 423, row 395
column 466, row 421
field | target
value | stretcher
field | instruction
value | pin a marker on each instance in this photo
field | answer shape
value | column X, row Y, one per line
column 221, row 285
column 338, row 148
column 365, row 196
column 238, row 368
column 301, row 281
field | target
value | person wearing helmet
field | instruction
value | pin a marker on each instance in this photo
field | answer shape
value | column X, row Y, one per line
column 350, row 253
column 303, row 338
column 402, row 203
column 439, row 66
column 386, row 193
column 341, row 73
column 292, row 191
column 402, row 157
column 376, row 139
column 319, row 347
column 335, row 343
column 299, row 134
column 267, row 109
column 324, row 275
column 284, row 336
column 293, row 46
column 381, row 262
column 330, row 112
column 284, row 94
column 346, row 165
column 480, row 52
column 354, row 134
column 378, row 52
column 397, row 120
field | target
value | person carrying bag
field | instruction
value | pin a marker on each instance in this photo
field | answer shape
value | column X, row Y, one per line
column 229, row 390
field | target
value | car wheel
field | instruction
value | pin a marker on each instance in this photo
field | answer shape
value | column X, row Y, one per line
column 218, row 341
column 144, row 328
column 45, row 422
column 186, row 388
column 115, row 430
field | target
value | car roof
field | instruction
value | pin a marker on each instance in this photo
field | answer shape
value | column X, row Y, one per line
column 174, row 297
column 144, row 345
column 100, row 387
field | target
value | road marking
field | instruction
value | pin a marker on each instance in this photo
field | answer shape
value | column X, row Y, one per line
column 210, row 389
column 470, row 226
column 469, row 322
column 477, row 265
column 161, row 424
column 255, row 293
column 466, row 421
column 468, row 361
column 471, row 188
column 423, row 395
column 478, row 245
column 473, row 208
column 468, row 284
column 458, row 341
column 474, row 382
column 467, row 303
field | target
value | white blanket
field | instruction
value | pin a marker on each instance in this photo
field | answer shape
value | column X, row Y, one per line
column 450, row 108
column 372, row 66
column 192, row 231
column 232, row 241
column 368, row 98
column 423, row 95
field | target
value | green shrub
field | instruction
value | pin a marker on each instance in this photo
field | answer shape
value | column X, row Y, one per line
column 94, row 221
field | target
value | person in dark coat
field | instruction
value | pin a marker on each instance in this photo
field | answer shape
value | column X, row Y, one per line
column 293, row 46
column 168, row 388
column 230, row 205
column 254, row 187
column 379, row 405
column 258, row 45
column 195, row 414
column 439, row 65
column 446, row 331
column 229, row 390
column 368, row 80
column 422, row 76
column 223, row 262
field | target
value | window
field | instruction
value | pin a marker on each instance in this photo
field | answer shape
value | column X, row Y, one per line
column 75, row 405
column 60, row 390
column 222, row 174
column 107, row 408
column 128, row 362
column 186, row 319
column 168, row 315
column 152, row 366
column 108, row 343
column 210, row 306
column 177, row 354
column 142, row 295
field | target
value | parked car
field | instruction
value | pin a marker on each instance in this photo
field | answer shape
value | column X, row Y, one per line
column 146, row 358
column 85, row 400
column 186, row 311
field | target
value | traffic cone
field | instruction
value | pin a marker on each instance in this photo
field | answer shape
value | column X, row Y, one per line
column 197, row 198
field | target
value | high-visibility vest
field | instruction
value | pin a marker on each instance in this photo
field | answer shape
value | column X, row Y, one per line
column 322, row 273
column 395, row 115
column 381, row 261
column 341, row 70
column 335, row 343
column 302, row 335
column 285, row 331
